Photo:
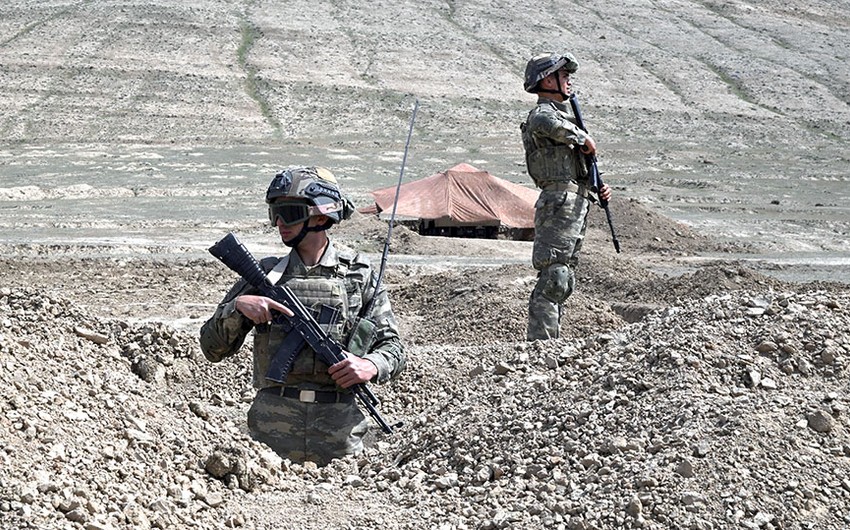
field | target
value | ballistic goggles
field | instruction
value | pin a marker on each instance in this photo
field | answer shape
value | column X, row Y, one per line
column 291, row 213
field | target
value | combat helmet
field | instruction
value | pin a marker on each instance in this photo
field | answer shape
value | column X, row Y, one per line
column 307, row 191
column 541, row 66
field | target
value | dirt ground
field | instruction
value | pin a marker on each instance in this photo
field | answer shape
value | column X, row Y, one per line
column 112, row 418
column 179, row 293
column 692, row 387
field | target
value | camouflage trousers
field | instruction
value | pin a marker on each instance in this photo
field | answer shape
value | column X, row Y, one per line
column 318, row 432
column 560, row 221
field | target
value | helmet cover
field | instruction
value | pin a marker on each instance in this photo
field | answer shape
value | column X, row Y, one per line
column 543, row 65
column 316, row 186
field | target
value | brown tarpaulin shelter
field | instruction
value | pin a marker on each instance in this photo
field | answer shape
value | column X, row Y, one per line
column 460, row 196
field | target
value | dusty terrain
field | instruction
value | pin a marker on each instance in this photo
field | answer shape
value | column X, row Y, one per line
column 713, row 399
column 695, row 387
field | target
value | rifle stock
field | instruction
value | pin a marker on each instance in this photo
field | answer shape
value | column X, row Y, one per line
column 230, row 251
column 594, row 178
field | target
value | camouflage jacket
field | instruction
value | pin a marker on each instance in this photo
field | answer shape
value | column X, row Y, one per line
column 550, row 138
column 224, row 333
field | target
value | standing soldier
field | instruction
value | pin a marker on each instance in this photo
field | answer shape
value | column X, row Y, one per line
column 310, row 415
column 551, row 140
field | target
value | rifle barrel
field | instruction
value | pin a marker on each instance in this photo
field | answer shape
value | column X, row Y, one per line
column 594, row 177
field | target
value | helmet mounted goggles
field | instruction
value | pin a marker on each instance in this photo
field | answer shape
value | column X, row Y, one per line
column 293, row 212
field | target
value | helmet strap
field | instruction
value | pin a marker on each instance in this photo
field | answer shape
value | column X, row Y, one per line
column 324, row 226
column 565, row 95
column 305, row 229
column 295, row 241
column 544, row 91
column 560, row 90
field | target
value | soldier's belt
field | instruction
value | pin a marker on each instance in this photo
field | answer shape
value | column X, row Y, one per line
column 570, row 186
column 308, row 396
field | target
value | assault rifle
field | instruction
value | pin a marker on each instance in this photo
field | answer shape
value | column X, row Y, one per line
column 304, row 326
column 594, row 178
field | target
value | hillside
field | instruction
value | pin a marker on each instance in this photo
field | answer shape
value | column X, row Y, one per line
column 729, row 116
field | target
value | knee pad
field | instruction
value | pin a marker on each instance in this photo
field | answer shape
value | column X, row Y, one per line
column 557, row 282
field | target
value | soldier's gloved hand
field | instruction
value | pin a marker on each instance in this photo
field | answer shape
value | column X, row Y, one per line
column 258, row 309
column 352, row 370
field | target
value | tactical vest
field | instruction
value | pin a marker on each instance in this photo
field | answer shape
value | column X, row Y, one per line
column 547, row 161
column 313, row 293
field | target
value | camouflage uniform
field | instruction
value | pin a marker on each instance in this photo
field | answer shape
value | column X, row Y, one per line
column 551, row 140
column 295, row 429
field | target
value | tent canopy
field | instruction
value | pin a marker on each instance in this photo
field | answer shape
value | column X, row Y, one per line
column 462, row 195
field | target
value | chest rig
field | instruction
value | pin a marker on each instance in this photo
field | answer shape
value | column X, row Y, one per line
column 327, row 297
column 549, row 161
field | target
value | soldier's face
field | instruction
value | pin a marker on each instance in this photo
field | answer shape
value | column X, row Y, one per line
column 558, row 82
column 566, row 82
column 288, row 232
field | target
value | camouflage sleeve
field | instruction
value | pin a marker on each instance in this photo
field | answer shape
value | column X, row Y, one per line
column 224, row 333
column 387, row 350
column 557, row 127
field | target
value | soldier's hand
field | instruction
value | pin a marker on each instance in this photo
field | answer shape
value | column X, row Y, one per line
column 605, row 192
column 352, row 370
column 589, row 147
column 258, row 309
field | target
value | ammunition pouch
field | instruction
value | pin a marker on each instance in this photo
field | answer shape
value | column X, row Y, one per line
column 362, row 337
column 554, row 163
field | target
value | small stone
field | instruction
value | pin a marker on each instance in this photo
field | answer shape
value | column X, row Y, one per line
column 502, row 368
column 634, row 508
column 447, row 481
column 790, row 349
column 591, row 460
column 685, row 468
column 353, row 480
column 483, row 474
column 199, row 409
column 94, row 525
column 77, row 515
column 691, row 498
column 701, row 449
column 137, row 436
column 218, row 465
column 616, row 445
column 828, row 356
column 647, row 482
column 767, row 347
column 820, row 421
column 97, row 338
column 752, row 378
column 214, row 499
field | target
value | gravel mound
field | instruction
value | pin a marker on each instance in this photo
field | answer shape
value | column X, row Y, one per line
column 729, row 410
